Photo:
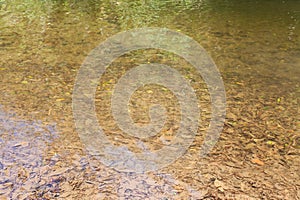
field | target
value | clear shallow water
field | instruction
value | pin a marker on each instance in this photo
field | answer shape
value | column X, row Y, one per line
column 255, row 44
column 261, row 34
column 24, row 145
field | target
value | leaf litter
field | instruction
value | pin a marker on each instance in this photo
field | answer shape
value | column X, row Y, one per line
column 256, row 157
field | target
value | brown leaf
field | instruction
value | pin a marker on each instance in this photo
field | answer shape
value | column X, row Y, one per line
column 257, row 161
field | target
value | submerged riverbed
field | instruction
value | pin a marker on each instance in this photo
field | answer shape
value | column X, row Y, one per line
column 256, row 47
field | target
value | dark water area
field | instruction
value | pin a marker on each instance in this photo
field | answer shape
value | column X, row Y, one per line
column 255, row 45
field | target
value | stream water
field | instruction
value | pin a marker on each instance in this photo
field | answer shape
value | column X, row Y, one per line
column 255, row 45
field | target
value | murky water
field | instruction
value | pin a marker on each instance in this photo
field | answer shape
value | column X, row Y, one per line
column 255, row 44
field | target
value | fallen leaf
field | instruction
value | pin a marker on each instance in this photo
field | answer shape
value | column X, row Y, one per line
column 270, row 142
column 23, row 144
column 149, row 91
column 220, row 185
column 257, row 161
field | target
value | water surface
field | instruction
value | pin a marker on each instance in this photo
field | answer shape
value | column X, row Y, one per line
column 255, row 44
